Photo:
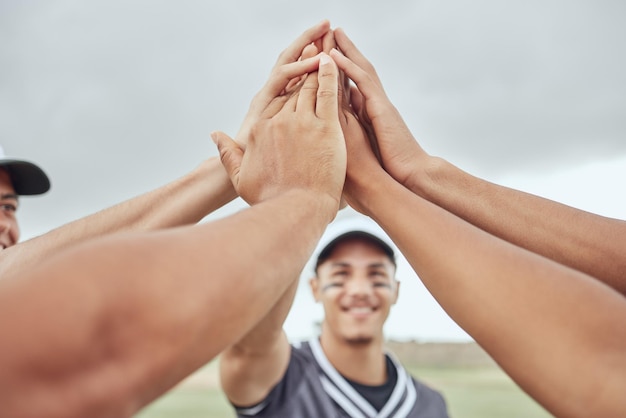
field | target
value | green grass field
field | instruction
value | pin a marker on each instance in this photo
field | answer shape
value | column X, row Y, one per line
column 480, row 392
column 471, row 392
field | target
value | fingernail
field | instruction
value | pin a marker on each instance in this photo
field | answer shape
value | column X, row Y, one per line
column 324, row 59
column 214, row 137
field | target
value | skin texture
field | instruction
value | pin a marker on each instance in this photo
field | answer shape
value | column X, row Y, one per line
column 536, row 283
column 102, row 328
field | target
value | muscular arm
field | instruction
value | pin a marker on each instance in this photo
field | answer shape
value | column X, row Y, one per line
column 103, row 328
column 184, row 201
column 559, row 333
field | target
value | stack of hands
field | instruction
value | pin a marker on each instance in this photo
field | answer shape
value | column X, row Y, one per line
column 323, row 102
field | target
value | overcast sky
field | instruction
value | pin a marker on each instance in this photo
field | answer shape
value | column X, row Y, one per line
column 113, row 98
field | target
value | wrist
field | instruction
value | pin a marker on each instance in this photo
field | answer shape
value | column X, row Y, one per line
column 208, row 184
column 362, row 192
column 442, row 183
column 428, row 177
column 312, row 204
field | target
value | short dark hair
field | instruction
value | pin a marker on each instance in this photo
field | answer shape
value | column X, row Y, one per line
column 359, row 235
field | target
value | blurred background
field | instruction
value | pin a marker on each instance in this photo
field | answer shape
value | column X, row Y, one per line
column 113, row 98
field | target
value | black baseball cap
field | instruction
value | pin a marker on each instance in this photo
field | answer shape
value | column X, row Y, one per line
column 27, row 178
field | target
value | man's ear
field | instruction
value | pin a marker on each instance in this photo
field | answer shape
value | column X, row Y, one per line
column 314, row 282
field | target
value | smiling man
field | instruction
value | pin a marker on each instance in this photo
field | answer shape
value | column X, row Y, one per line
column 346, row 371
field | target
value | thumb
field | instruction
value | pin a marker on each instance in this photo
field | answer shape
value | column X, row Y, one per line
column 231, row 154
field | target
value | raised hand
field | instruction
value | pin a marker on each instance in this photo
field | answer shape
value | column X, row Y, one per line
column 299, row 146
column 287, row 71
column 391, row 140
column 363, row 166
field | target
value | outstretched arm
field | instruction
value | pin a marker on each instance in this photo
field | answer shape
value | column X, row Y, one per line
column 587, row 242
column 103, row 328
column 107, row 326
column 182, row 202
column 559, row 333
column 590, row 243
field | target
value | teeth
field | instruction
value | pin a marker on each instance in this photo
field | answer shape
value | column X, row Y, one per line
column 360, row 310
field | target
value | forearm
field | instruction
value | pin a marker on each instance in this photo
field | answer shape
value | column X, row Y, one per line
column 141, row 311
column 586, row 242
column 256, row 363
column 544, row 323
column 269, row 329
column 184, row 201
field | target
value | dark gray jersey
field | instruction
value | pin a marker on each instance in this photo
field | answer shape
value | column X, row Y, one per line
column 313, row 388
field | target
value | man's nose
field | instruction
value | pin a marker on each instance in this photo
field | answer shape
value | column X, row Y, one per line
column 359, row 286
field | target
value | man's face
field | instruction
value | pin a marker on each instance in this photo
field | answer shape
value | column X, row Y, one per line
column 357, row 287
column 9, row 231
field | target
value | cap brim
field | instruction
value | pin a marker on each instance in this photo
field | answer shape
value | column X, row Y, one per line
column 354, row 235
column 27, row 178
column 357, row 227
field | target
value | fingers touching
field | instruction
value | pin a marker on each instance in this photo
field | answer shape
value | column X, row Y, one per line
column 308, row 87
column 297, row 59
column 309, row 51
column 327, row 100
column 293, row 63
column 294, row 51
column 281, row 77
column 347, row 47
column 296, row 117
